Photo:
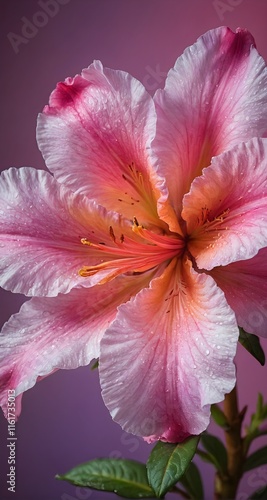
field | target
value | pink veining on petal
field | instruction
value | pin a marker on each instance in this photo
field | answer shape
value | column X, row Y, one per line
column 167, row 352
column 100, row 126
column 214, row 98
column 41, row 228
column 226, row 208
column 66, row 93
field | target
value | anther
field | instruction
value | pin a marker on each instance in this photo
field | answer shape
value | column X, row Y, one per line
column 111, row 234
column 85, row 241
column 135, row 221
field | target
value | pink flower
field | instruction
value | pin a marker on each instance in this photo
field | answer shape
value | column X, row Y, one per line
column 157, row 282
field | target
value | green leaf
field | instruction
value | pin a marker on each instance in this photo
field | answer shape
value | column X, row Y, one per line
column 257, row 459
column 260, row 494
column 219, row 417
column 253, row 430
column 250, row 437
column 127, row 478
column 205, row 456
column 259, row 416
column 95, row 365
column 192, row 482
column 252, row 345
column 259, row 406
column 168, row 462
column 216, row 451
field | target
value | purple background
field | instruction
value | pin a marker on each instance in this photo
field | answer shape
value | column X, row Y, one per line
column 64, row 421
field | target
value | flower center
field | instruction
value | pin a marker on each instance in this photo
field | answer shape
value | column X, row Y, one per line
column 125, row 254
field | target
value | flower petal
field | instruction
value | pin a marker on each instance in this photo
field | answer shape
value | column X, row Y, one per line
column 245, row 286
column 94, row 137
column 59, row 332
column 169, row 355
column 226, row 209
column 215, row 96
column 41, row 228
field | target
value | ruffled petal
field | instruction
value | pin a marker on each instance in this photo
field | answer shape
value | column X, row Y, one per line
column 95, row 135
column 169, row 355
column 226, row 208
column 215, row 97
column 59, row 332
column 41, row 228
column 245, row 287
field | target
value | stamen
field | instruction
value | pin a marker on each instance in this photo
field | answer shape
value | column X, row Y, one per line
column 85, row 241
column 132, row 255
column 210, row 227
column 217, row 221
column 158, row 240
column 205, row 214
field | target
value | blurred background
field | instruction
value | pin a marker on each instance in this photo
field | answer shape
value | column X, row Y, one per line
column 64, row 421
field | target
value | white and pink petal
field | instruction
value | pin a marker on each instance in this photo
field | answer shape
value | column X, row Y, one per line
column 95, row 135
column 245, row 287
column 41, row 228
column 169, row 355
column 59, row 332
column 214, row 97
column 226, row 208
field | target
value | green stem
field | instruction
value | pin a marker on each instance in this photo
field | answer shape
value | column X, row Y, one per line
column 226, row 485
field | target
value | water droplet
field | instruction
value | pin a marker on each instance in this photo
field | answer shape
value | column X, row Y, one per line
column 207, row 352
